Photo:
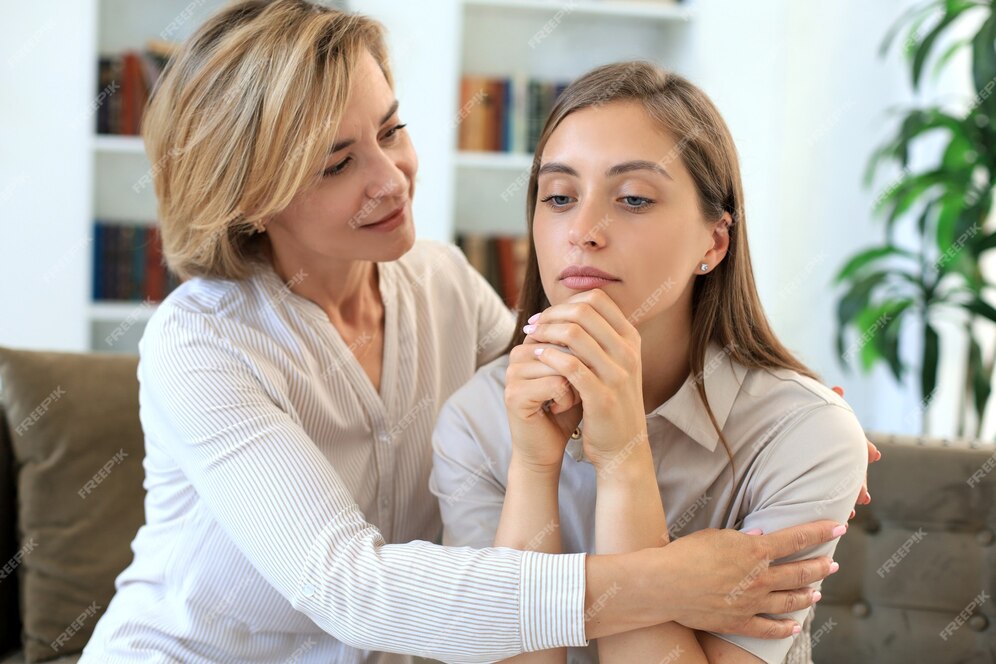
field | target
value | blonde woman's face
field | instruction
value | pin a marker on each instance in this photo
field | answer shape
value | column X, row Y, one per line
column 614, row 195
column 361, row 208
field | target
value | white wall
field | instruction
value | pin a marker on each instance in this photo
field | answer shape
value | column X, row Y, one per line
column 45, row 128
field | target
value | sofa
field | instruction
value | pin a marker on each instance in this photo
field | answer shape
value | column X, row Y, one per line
column 915, row 583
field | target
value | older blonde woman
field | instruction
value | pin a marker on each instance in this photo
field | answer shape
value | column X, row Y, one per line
column 289, row 388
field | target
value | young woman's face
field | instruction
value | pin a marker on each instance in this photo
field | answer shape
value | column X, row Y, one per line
column 361, row 207
column 614, row 195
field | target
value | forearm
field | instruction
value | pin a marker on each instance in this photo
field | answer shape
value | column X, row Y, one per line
column 530, row 520
column 629, row 516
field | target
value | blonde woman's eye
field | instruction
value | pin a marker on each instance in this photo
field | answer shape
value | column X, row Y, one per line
column 393, row 131
column 556, row 200
column 338, row 168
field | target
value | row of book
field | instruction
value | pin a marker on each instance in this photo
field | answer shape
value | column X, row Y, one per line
column 502, row 259
column 504, row 114
column 128, row 263
column 124, row 83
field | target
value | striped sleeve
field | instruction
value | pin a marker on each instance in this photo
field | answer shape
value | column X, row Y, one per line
column 289, row 512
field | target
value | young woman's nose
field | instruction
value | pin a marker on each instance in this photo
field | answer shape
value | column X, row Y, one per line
column 588, row 226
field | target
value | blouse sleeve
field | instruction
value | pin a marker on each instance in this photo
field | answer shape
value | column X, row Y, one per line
column 812, row 471
column 288, row 511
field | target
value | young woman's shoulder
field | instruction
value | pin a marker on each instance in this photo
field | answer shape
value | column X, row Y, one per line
column 793, row 410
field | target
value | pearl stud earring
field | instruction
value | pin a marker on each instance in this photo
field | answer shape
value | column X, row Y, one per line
column 704, row 267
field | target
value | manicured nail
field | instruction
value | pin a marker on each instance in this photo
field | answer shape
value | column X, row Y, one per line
column 878, row 455
column 817, row 596
column 755, row 531
column 839, row 530
column 539, row 351
column 528, row 329
column 796, row 629
column 834, row 566
column 868, row 497
column 533, row 318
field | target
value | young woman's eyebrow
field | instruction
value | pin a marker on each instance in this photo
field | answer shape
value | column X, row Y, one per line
column 618, row 169
column 345, row 143
column 637, row 165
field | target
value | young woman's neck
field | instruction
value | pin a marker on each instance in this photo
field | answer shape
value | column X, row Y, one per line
column 666, row 339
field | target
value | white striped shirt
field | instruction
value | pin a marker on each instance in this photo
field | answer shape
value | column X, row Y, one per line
column 284, row 493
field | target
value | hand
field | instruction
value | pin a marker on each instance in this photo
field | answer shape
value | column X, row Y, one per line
column 874, row 455
column 543, row 409
column 604, row 368
column 721, row 580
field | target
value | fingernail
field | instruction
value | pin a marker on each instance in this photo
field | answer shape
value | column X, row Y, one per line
column 834, row 566
column 533, row 318
column 868, row 497
column 839, row 530
column 817, row 596
column 539, row 351
column 529, row 329
column 754, row 531
column 878, row 455
column 796, row 629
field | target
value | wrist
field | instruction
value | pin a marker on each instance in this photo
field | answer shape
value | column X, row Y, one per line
column 521, row 465
column 646, row 602
column 626, row 468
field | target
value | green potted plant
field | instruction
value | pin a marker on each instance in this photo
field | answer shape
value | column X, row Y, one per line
column 936, row 276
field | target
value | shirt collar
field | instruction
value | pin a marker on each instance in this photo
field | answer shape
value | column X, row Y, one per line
column 685, row 410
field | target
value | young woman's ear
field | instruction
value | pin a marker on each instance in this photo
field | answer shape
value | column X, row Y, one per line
column 720, row 244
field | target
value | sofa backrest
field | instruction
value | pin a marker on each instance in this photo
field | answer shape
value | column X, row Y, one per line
column 917, row 564
column 10, row 626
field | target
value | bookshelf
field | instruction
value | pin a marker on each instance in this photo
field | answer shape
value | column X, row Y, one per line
column 121, row 194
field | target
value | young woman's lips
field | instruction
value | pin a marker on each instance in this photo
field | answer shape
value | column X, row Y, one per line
column 388, row 224
column 586, row 283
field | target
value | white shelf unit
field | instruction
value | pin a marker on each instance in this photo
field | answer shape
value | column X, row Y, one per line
column 555, row 40
column 121, row 192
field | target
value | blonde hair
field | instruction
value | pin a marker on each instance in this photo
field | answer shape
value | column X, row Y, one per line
column 726, row 309
column 242, row 120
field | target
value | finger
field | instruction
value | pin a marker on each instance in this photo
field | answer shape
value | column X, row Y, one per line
column 797, row 575
column 573, row 369
column 873, row 453
column 528, row 396
column 770, row 628
column 606, row 308
column 799, row 538
column 787, row 601
column 575, row 337
column 588, row 318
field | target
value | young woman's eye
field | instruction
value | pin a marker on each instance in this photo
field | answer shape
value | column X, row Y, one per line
column 393, row 131
column 636, row 202
column 338, row 168
column 557, row 200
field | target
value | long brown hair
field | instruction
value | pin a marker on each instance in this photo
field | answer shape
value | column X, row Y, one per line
column 726, row 308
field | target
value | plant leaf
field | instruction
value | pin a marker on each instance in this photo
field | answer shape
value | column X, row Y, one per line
column 927, row 43
column 982, row 308
column 984, row 63
column 928, row 373
column 981, row 379
column 868, row 256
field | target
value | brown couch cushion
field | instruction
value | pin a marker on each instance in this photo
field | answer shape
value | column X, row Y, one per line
column 10, row 626
column 73, row 423
column 918, row 565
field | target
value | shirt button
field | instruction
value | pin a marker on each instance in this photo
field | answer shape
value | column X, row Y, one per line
column 307, row 590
